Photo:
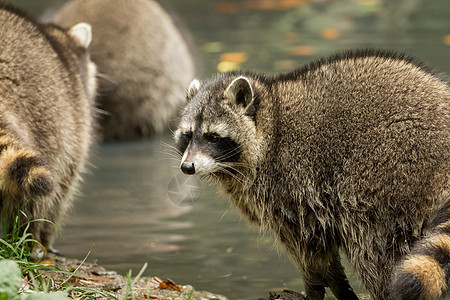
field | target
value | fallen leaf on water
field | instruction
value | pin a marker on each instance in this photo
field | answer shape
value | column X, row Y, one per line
column 302, row 51
column 447, row 39
column 330, row 33
column 287, row 4
column 235, row 57
column 260, row 4
column 226, row 7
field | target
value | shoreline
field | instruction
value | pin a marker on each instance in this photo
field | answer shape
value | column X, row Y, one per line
column 108, row 284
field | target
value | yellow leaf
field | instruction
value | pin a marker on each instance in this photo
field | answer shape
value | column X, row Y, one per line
column 447, row 39
column 330, row 33
column 234, row 57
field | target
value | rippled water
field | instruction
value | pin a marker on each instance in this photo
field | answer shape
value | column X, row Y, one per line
column 127, row 215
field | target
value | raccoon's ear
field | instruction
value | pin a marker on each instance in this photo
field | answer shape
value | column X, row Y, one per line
column 192, row 89
column 82, row 32
column 240, row 91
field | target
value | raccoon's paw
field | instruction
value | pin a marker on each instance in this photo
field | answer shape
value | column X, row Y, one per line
column 23, row 171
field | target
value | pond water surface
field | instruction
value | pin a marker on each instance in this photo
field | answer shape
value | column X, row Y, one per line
column 127, row 214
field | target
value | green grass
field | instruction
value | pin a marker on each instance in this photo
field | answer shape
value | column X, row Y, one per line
column 128, row 290
column 16, row 263
column 16, row 248
column 16, row 259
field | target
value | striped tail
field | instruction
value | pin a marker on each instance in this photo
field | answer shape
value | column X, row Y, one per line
column 22, row 171
column 424, row 274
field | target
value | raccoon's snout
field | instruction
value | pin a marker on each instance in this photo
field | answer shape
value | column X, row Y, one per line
column 188, row 168
column 198, row 163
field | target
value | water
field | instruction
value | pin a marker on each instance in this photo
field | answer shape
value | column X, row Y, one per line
column 125, row 216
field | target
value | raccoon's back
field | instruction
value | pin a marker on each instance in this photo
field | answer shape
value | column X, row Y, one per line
column 367, row 123
column 31, row 69
column 42, row 99
column 355, row 88
column 27, row 51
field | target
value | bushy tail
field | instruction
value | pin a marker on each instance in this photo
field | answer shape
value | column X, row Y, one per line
column 22, row 171
column 424, row 274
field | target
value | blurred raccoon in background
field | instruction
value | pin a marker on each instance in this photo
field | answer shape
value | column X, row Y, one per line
column 145, row 58
column 47, row 91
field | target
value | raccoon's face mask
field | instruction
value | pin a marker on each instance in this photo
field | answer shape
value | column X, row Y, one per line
column 216, row 127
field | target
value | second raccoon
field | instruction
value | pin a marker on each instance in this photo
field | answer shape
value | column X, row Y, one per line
column 145, row 56
column 47, row 91
column 348, row 153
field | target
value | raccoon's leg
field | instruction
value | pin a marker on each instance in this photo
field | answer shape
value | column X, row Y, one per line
column 373, row 264
column 49, row 228
column 337, row 280
column 326, row 272
column 44, row 214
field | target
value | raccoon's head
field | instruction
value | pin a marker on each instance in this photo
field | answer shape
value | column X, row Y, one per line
column 217, row 133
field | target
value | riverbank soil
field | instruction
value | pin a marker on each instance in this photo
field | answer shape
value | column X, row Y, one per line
column 93, row 281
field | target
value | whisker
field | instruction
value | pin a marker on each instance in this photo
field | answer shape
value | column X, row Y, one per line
column 228, row 153
column 170, row 159
column 240, row 165
column 170, row 147
column 174, row 155
column 225, row 213
column 231, row 174
column 234, row 169
column 108, row 78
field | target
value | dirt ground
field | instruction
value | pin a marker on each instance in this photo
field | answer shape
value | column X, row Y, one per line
column 100, row 283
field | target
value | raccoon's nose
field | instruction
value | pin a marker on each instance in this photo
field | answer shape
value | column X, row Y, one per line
column 188, row 168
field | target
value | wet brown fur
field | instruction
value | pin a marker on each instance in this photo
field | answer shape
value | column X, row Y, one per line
column 349, row 153
column 47, row 92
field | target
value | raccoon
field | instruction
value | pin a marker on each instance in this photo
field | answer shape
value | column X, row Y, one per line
column 146, row 58
column 48, row 86
column 349, row 153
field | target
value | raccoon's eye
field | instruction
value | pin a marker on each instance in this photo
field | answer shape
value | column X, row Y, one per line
column 212, row 137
